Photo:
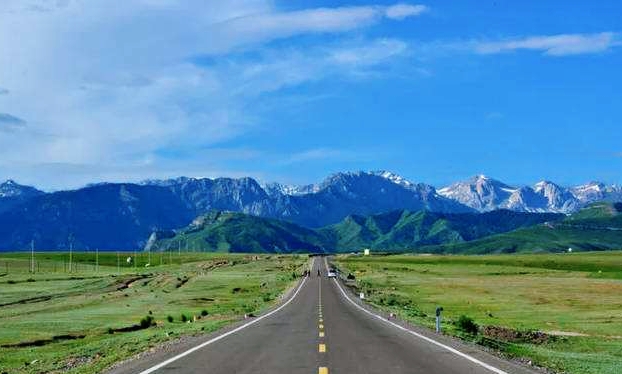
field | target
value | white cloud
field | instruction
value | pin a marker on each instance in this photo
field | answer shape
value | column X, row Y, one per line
column 317, row 154
column 105, row 88
column 401, row 11
column 554, row 45
column 277, row 69
column 264, row 27
column 370, row 54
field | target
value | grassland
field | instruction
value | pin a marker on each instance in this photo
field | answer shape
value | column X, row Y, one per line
column 560, row 311
column 84, row 318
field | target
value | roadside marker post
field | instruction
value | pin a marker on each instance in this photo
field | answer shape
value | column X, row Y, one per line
column 439, row 309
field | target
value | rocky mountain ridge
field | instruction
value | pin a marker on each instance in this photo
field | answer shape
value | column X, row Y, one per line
column 128, row 213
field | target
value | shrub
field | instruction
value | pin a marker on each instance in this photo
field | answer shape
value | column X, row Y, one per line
column 146, row 322
column 184, row 318
column 467, row 325
column 170, row 318
column 351, row 276
column 204, row 313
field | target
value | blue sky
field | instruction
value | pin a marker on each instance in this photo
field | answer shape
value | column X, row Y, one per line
column 294, row 90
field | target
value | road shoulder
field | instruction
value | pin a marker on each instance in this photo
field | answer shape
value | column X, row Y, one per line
column 170, row 349
column 475, row 351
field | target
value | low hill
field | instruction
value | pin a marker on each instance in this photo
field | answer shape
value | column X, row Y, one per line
column 237, row 232
column 596, row 227
column 399, row 230
column 404, row 230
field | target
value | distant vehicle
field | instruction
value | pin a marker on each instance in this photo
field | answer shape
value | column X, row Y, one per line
column 331, row 274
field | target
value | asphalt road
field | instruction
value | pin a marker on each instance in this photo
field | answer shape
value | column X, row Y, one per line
column 321, row 331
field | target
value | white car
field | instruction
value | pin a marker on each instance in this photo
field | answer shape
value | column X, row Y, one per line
column 331, row 274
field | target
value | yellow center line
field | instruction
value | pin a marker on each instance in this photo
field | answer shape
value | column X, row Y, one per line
column 321, row 320
column 322, row 348
column 322, row 370
column 321, row 334
column 321, row 326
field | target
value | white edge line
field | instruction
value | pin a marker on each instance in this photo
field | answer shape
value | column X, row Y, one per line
column 219, row 337
column 429, row 340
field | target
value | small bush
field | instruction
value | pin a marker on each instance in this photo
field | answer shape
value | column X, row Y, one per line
column 146, row 322
column 204, row 313
column 351, row 276
column 184, row 318
column 170, row 318
column 30, row 280
column 110, row 330
column 467, row 325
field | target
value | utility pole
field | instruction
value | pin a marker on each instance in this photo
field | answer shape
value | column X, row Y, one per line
column 32, row 256
column 70, row 255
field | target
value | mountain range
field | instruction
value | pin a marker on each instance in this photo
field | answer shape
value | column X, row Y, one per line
column 486, row 194
column 123, row 215
column 596, row 227
column 399, row 230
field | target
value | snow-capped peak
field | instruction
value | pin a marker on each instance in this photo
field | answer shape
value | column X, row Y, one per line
column 540, row 186
column 592, row 186
column 590, row 192
column 289, row 189
column 395, row 178
column 479, row 192
column 10, row 188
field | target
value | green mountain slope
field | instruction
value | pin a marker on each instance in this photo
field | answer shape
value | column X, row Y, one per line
column 597, row 227
column 404, row 230
column 395, row 231
column 237, row 232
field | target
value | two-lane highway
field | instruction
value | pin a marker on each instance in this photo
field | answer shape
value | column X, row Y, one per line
column 322, row 331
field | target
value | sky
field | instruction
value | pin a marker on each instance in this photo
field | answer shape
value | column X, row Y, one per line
column 291, row 91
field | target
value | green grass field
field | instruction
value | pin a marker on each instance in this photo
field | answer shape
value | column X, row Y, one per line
column 575, row 299
column 56, row 320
